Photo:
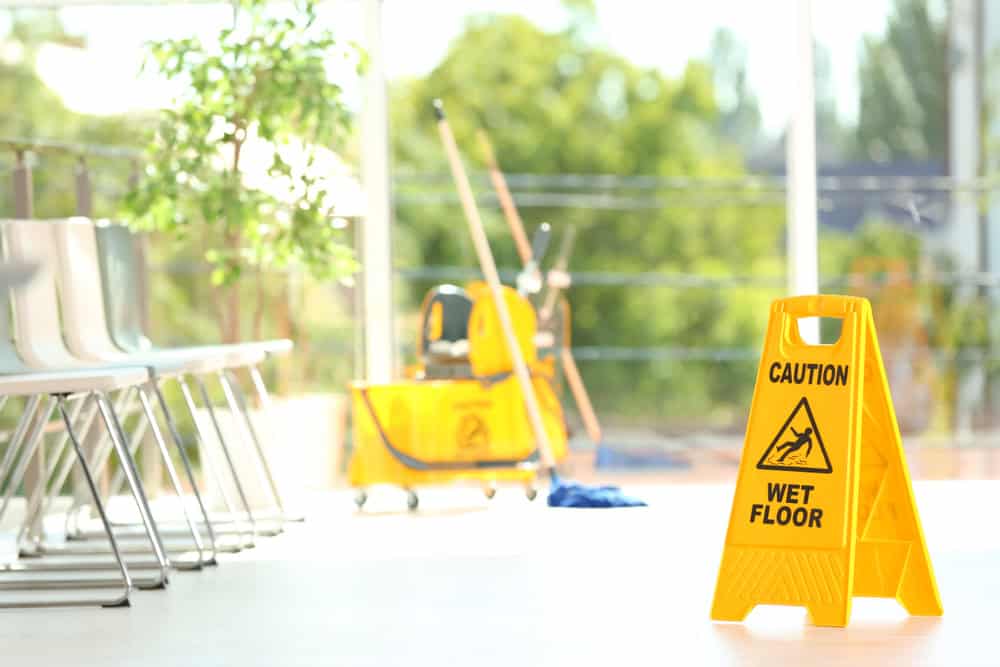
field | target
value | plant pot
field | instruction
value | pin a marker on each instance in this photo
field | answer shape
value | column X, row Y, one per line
column 303, row 440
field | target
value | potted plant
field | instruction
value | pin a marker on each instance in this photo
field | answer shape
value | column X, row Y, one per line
column 239, row 166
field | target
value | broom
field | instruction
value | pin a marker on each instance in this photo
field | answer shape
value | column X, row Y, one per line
column 561, row 493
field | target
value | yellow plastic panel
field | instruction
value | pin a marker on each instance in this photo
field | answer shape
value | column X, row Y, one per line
column 447, row 421
column 488, row 353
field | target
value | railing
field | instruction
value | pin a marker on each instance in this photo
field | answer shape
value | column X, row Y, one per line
column 24, row 152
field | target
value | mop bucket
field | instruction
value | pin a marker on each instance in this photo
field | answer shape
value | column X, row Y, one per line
column 420, row 432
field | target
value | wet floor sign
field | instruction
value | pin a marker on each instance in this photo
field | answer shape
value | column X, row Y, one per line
column 824, row 508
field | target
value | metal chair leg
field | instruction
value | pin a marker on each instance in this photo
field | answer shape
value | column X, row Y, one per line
column 175, row 481
column 17, row 439
column 136, row 440
column 74, row 548
column 101, row 449
column 268, row 407
column 31, row 444
column 175, row 434
column 120, row 600
column 226, row 454
column 241, row 418
column 245, row 538
column 99, row 455
column 56, row 554
column 138, row 493
column 58, row 469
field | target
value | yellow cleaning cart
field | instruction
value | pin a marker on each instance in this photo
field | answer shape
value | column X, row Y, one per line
column 460, row 413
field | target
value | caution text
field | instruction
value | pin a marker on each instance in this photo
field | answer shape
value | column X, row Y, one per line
column 796, row 373
column 787, row 506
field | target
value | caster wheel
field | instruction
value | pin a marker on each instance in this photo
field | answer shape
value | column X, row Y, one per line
column 530, row 493
column 360, row 498
column 412, row 500
column 489, row 492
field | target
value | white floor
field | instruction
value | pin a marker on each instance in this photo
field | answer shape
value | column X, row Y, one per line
column 463, row 583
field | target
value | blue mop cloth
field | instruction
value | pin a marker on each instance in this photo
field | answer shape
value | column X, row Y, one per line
column 574, row 494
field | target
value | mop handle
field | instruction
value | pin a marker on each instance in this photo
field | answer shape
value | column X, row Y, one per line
column 581, row 396
column 510, row 213
column 489, row 268
column 540, row 244
column 562, row 261
column 531, row 274
column 572, row 373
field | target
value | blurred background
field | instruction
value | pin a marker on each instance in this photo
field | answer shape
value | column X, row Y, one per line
column 660, row 135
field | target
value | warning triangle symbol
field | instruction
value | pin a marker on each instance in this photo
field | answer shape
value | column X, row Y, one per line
column 798, row 446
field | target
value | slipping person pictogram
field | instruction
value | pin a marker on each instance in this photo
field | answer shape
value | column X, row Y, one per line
column 801, row 440
column 798, row 446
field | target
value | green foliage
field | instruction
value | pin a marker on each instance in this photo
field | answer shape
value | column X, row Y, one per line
column 739, row 116
column 553, row 103
column 262, row 85
column 934, row 325
column 904, row 87
column 739, row 110
column 885, row 262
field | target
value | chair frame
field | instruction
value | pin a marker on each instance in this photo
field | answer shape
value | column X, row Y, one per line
column 21, row 449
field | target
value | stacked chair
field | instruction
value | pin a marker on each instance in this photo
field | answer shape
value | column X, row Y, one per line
column 77, row 346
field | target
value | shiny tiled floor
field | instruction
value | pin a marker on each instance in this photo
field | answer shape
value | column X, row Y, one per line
column 461, row 583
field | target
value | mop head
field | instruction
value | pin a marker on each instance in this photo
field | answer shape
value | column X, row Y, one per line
column 573, row 494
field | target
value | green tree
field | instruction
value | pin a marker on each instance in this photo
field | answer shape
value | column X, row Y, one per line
column 833, row 139
column 924, row 317
column 739, row 110
column 557, row 104
column 30, row 110
column 903, row 75
column 263, row 80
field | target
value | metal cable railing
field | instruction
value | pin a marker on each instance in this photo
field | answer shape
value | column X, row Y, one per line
column 26, row 153
column 824, row 184
column 914, row 197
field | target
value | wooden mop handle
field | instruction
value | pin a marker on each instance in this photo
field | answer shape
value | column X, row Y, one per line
column 562, row 261
column 489, row 268
column 510, row 213
column 572, row 373
column 581, row 396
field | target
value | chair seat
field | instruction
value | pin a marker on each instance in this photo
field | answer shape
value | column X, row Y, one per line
column 72, row 381
column 170, row 365
column 241, row 355
column 237, row 354
column 123, row 269
column 211, row 358
column 275, row 347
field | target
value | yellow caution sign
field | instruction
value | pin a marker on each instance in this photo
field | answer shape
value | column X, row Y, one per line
column 824, row 508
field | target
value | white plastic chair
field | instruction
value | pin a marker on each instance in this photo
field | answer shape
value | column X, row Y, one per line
column 57, row 390
column 123, row 270
column 39, row 345
column 81, row 292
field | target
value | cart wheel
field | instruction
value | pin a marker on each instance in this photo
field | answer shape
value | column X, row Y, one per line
column 530, row 493
column 360, row 498
column 489, row 491
column 412, row 500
